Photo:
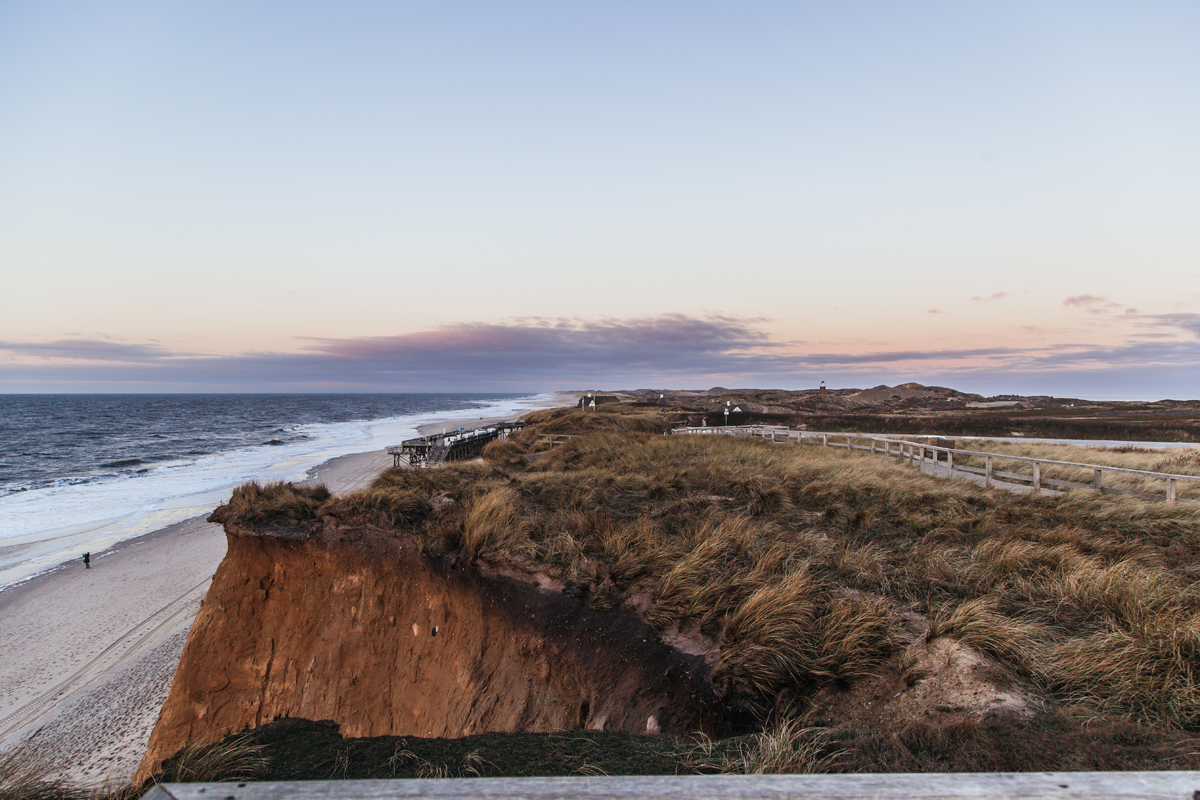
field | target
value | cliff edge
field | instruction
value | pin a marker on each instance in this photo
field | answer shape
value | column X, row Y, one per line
column 353, row 623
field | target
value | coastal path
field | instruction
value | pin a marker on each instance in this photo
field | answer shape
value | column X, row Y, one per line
column 936, row 456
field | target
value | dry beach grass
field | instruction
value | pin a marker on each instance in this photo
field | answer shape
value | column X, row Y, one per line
column 805, row 568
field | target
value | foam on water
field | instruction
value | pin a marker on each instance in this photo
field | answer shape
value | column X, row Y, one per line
column 47, row 525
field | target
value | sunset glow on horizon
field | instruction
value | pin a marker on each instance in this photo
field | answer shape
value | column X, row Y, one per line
column 1001, row 198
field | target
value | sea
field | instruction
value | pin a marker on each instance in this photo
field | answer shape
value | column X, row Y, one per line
column 84, row 472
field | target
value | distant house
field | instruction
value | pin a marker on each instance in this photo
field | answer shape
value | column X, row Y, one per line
column 601, row 399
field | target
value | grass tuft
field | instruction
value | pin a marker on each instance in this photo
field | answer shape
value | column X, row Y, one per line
column 257, row 506
column 24, row 775
column 494, row 527
column 787, row 749
column 237, row 758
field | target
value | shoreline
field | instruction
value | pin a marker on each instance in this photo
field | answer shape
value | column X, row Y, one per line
column 99, row 646
column 24, row 556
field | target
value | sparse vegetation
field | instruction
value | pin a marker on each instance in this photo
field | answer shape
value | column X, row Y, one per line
column 788, row 749
column 236, row 758
column 25, row 775
column 302, row 750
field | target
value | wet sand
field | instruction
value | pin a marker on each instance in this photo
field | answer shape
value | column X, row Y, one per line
column 89, row 653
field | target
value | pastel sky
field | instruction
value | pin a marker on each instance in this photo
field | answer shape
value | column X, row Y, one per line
column 528, row 196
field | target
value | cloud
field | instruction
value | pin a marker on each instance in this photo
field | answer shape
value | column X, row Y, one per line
column 81, row 349
column 531, row 353
column 1187, row 322
column 1095, row 304
column 541, row 354
column 934, row 311
column 990, row 298
column 1085, row 300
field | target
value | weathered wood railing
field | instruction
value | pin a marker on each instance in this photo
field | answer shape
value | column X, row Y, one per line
column 554, row 438
column 1180, row 785
column 439, row 448
column 917, row 453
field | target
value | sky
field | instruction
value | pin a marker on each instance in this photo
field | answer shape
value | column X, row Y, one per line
column 999, row 197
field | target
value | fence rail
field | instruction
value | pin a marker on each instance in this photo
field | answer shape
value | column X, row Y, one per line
column 919, row 452
column 554, row 438
column 1179, row 785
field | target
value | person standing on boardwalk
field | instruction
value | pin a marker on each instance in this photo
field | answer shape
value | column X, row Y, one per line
column 87, row 560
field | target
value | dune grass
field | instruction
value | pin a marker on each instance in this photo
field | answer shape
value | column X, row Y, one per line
column 801, row 561
column 277, row 503
column 25, row 775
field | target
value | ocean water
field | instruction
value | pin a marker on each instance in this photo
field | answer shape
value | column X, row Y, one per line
column 84, row 472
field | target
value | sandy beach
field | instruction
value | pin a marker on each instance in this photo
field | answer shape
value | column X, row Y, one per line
column 89, row 653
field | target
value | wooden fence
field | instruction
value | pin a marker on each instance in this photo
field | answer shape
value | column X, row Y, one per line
column 554, row 438
column 1178, row 785
column 920, row 453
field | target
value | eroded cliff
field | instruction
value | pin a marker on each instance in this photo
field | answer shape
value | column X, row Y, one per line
column 353, row 623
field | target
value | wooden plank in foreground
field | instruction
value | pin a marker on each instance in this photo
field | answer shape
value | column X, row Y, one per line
column 978, row 786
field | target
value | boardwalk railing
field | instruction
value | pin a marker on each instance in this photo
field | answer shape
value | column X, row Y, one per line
column 554, row 438
column 935, row 452
column 442, row 447
column 965, row 785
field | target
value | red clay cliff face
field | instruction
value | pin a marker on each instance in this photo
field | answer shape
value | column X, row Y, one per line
column 354, row 624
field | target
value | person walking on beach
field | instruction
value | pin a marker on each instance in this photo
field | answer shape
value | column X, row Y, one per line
column 87, row 560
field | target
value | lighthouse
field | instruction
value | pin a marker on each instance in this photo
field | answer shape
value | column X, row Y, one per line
column 822, row 387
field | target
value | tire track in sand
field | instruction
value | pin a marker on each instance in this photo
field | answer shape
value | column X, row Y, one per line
column 121, row 648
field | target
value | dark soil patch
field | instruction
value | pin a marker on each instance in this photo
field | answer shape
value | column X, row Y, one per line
column 1053, row 742
column 297, row 749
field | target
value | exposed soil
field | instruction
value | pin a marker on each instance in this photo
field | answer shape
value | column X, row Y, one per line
column 941, row 679
column 358, row 626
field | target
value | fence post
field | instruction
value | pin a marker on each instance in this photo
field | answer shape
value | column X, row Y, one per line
column 849, row 444
column 1037, row 476
column 921, row 459
column 1097, row 480
column 872, row 447
column 949, row 463
column 1170, row 490
column 987, row 472
column 824, row 440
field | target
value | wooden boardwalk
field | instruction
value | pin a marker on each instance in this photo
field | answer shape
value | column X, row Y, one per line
column 429, row 451
column 929, row 453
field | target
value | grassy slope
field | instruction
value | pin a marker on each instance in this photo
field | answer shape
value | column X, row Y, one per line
column 802, row 560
